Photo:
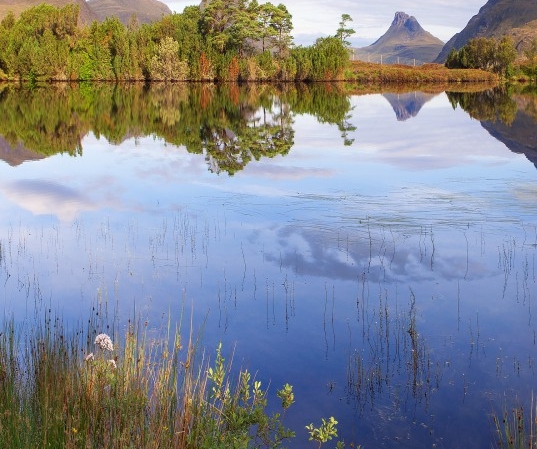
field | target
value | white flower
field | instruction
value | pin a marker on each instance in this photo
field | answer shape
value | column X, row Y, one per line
column 89, row 357
column 112, row 363
column 104, row 342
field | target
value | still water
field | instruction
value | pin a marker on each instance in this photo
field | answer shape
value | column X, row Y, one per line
column 375, row 250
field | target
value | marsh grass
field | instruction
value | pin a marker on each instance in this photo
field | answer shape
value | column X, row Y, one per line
column 374, row 73
column 514, row 430
column 60, row 390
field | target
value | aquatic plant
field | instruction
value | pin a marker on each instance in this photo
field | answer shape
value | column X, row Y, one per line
column 325, row 432
column 151, row 394
column 514, row 430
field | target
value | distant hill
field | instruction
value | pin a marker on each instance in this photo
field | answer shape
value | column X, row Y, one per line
column 17, row 6
column 498, row 18
column 145, row 10
column 405, row 42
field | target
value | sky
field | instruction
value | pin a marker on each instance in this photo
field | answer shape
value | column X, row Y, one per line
column 318, row 18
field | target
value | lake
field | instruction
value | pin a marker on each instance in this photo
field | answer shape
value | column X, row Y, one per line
column 377, row 251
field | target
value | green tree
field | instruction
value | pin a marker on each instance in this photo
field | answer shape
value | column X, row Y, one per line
column 283, row 25
column 189, row 38
column 267, row 31
column 38, row 43
column 330, row 57
column 97, row 47
column 217, row 20
column 245, row 30
column 165, row 65
column 530, row 65
column 453, row 60
column 486, row 54
column 344, row 32
column 303, row 63
column 504, row 56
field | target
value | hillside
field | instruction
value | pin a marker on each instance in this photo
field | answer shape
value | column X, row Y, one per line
column 145, row 10
column 515, row 18
column 17, row 6
column 405, row 42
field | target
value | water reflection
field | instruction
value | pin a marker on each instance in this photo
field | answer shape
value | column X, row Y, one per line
column 229, row 125
column 389, row 278
column 394, row 360
column 43, row 197
column 510, row 117
column 386, row 253
column 407, row 105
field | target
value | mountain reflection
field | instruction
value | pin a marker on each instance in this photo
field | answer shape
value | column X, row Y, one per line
column 510, row 117
column 229, row 124
column 407, row 105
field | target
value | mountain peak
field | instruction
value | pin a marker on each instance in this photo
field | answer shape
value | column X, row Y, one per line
column 404, row 42
column 400, row 19
column 403, row 20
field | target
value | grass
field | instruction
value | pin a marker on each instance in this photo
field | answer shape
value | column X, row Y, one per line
column 58, row 389
column 373, row 73
column 514, row 430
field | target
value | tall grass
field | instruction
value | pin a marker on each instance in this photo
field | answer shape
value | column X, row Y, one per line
column 515, row 430
column 58, row 389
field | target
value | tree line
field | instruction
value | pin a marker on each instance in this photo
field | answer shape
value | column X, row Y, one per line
column 484, row 53
column 223, row 40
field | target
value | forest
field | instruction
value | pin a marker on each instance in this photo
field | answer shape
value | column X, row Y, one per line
column 225, row 40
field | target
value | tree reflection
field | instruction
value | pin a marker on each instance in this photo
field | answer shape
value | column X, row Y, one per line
column 509, row 115
column 230, row 125
column 488, row 105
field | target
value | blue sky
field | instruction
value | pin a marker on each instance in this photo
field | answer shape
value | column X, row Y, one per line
column 316, row 18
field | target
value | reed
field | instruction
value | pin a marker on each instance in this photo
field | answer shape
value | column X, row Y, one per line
column 79, row 389
column 515, row 430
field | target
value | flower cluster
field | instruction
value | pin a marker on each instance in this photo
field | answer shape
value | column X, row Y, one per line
column 104, row 342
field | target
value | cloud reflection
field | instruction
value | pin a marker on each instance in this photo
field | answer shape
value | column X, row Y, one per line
column 282, row 172
column 382, row 255
column 42, row 197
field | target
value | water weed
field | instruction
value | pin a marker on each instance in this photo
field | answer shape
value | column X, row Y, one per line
column 514, row 430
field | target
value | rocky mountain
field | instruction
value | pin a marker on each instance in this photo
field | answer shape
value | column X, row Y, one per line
column 405, row 42
column 17, row 6
column 145, row 10
column 498, row 18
